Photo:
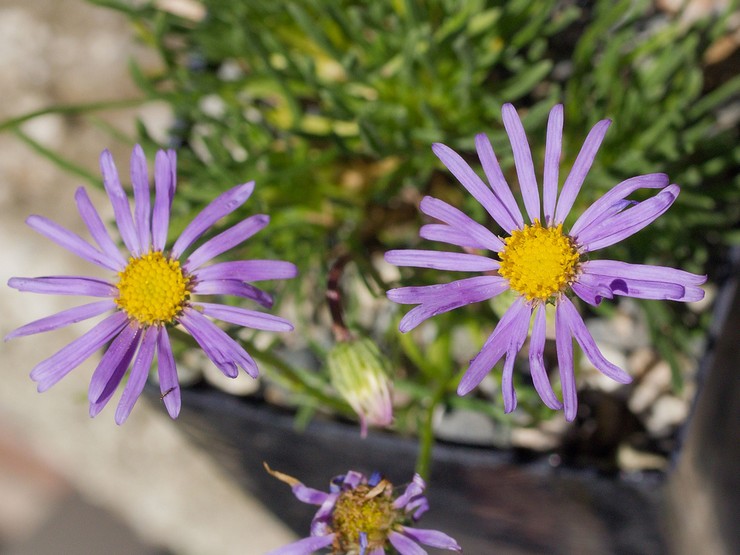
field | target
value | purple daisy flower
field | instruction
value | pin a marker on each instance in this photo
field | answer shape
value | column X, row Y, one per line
column 537, row 260
column 361, row 516
column 151, row 290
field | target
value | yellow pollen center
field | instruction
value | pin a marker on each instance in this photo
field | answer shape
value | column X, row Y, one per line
column 363, row 510
column 539, row 262
column 152, row 289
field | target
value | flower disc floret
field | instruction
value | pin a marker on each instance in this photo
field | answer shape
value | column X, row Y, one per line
column 364, row 510
column 153, row 289
column 538, row 261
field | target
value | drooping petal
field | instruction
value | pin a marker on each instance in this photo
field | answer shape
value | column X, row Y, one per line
column 564, row 349
column 247, row 270
column 164, row 193
column 497, row 181
column 225, row 241
column 536, row 360
column 479, row 236
column 225, row 353
column 112, row 367
column 138, row 375
column 522, row 161
column 553, row 148
column 642, row 289
column 244, row 317
column 306, row 546
column 61, row 363
column 169, row 384
column 580, row 169
column 432, row 538
column 629, row 222
column 616, row 194
column 233, row 287
column 495, row 346
column 405, row 545
column 221, row 206
column 97, row 229
column 455, row 261
column 516, row 341
column 415, row 488
column 474, row 184
column 436, row 299
column 65, row 285
column 71, row 241
column 142, row 203
column 587, row 343
column 591, row 293
column 119, row 201
column 309, row 495
column 63, row 318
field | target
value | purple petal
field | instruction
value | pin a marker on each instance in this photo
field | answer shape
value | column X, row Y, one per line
column 500, row 187
column 97, row 229
column 119, row 201
column 536, row 361
column 306, row 546
column 225, row 241
column 63, row 318
column 438, row 260
column 138, row 375
column 233, row 287
column 587, row 343
column 247, row 318
column 221, row 206
column 71, row 241
column 641, row 289
column 169, row 385
column 101, row 378
column 474, row 185
column 495, row 346
column 591, row 293
column 432, row 538
column 247, row 270
column 164, row 185
column 596, row 211
column 142, row 208
column 404, row 544
column 65, row 285
column 580, row 169
column 415, row 488
column 478, row 235
column 522, row 161
column 564, row 348
column 516, row 341
column 225, row 353
column 629, row 222
column 309, row 495
column 553, row 148
column 614, row 268
column 112, row 368
column 437, row 299
column 61, row 363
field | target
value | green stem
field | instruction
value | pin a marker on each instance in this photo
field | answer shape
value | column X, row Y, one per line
column 72, row 109
column 426, row 434
column 300, row 383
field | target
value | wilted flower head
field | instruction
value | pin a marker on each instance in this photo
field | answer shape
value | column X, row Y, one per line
column 150, row 289
column 363, row 516
column 359, row 372
column 538, row 260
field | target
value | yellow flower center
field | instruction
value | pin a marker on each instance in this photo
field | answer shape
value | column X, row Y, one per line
column 363, row 510
column 539, row 262
column 152, row 289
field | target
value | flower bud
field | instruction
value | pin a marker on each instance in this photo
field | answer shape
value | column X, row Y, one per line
column 360, row 373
